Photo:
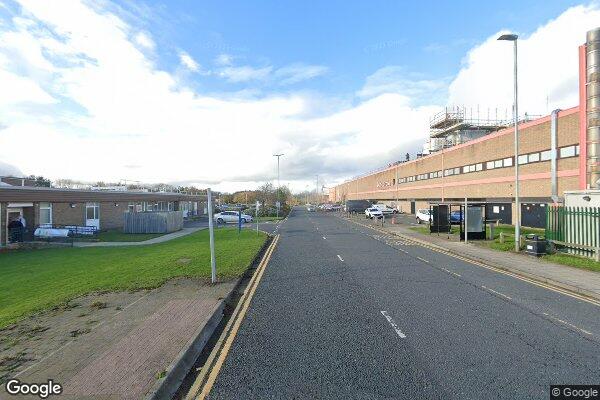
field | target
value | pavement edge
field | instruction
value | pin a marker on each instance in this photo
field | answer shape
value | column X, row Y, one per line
column 561, row 286
column 166, row 387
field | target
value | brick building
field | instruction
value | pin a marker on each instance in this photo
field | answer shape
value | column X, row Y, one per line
column 557, row 153
column 102, row 209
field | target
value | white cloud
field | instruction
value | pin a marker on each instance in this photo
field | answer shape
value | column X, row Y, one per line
column 244, row 73
column 224, row 59
column 395, row 79
column 295, row 73
column 76, row 80
column 548, row 67
column 144, row 40
column 188, row 62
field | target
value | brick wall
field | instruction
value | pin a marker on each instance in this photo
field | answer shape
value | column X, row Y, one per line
column 111, row 215
column 64, row 214
column 486, row 184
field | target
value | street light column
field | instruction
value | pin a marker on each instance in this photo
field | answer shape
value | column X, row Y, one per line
column 517, row 205
column 513, row 38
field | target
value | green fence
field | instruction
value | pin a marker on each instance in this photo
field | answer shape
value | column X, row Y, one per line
column 578, row 226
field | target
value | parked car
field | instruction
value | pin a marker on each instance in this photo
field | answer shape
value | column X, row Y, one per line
column 373, row 212
column 226, row 217
column 385, row 209
column 356, row 205
column 456, row 217
column 423, row 215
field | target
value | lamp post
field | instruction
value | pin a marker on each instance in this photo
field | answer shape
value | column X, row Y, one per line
column 513, row 38
column 278, row 184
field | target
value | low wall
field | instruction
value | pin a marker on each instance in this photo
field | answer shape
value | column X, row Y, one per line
column 152, row 222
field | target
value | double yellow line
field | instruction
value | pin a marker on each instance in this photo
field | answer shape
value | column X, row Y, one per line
column 544, row 285
column 208, row 375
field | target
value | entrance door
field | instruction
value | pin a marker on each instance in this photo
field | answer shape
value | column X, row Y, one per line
column 413, row 208
column 92, row 215
column 11, row 214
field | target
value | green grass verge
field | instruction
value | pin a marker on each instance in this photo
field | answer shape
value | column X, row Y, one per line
column 573, row 261
column 37, row 280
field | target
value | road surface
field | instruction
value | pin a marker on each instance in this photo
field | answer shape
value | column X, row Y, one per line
column 344, row 312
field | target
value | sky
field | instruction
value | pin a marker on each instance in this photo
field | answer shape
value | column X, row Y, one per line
column 204, row 93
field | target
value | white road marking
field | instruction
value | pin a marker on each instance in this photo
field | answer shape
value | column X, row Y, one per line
column 324, row 238
column 424, row 260
column 393, row 324
column 341, row 259
column 454, row 273
column 404, row 251
column 498, row 293
column 566, row 323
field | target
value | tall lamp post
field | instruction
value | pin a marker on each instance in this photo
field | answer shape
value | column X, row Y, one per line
column 513, row 38
column 278, row 184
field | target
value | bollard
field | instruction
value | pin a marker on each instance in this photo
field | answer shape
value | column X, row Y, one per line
column 501, row 237
column 491, row 232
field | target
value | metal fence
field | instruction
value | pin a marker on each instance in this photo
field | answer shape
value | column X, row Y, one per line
column 152, row 222
column 577, row 228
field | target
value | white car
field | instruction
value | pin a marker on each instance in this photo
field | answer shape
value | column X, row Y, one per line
column 385, row 209
column 231, row 217
column 373, row 212
column 423, row 215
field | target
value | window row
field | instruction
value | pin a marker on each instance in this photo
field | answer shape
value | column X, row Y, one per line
column 563, row 152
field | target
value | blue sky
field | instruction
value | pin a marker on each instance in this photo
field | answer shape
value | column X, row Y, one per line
column 324, row 82
column 351, row 38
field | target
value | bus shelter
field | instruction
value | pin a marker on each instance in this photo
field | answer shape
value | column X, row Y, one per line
column 470, row 216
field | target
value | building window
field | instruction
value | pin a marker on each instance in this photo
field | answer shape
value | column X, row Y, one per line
column 465, row 169
column 534, row 157
column 479, row 167
column 489, row 165
column 498, row 164
column 92, row 211
column 546, row 155
column 508, row 162
column 456, row 170
column 567, row 152
column 523, row 159
column 171, row 206
column 131, row 207
column 577, row 150
column 45, row 213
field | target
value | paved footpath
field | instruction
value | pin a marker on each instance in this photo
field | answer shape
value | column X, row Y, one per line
column 576, row 279
column 343, row 311
column 124, row 356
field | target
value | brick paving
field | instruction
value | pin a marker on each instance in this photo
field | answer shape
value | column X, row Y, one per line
column 122, row 357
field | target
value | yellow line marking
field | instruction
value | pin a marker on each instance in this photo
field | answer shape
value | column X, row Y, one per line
column 495, row 269
column 228, row 335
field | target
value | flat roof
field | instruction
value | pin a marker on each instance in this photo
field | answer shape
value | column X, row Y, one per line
column 55, row 195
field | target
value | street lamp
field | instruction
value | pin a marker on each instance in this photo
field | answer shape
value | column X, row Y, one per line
column 513, row 38
column 278, row 185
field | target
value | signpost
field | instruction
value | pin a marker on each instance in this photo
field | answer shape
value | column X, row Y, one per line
column 211, row 234
column 256, row 214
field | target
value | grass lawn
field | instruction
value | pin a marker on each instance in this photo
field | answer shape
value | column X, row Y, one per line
column 118, row 236
column 36, row 280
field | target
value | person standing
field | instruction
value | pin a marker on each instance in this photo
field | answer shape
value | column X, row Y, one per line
column 15, row 231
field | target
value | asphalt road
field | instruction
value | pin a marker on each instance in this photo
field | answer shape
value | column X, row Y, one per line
column 343, row 312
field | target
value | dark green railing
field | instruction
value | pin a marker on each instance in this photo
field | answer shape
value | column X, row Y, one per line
column 574, row 225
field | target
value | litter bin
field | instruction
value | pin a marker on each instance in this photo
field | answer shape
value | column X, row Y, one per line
column 535, row 245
